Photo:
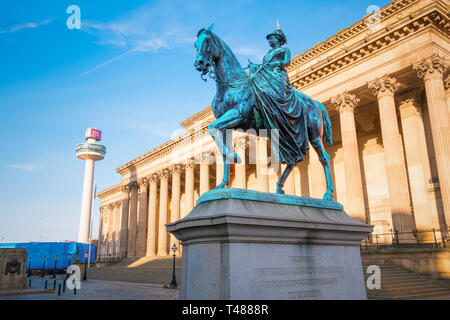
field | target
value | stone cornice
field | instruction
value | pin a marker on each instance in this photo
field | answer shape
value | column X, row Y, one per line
column 366, row 48
column 196, row 118
column 180, row 141
column 345, row 34
column 111, row 190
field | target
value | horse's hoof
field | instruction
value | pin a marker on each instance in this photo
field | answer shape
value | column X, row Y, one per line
column 222, row 185
column 327, row 196
column 280, row 191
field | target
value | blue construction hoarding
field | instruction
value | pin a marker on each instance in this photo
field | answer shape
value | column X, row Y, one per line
column 64, row 251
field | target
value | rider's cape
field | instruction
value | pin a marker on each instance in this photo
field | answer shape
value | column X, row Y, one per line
column 280, row 106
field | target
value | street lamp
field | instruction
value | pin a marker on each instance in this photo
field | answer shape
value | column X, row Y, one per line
column 174, row 284
column 54, row 268
column 85, row 267
column 29, row 268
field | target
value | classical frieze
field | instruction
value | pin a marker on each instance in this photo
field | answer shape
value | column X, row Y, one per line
column 366, row 49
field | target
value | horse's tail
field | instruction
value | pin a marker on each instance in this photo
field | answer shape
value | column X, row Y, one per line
column 326, row 123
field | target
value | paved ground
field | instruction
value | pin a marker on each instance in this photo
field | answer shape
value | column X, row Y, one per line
column 101, row 290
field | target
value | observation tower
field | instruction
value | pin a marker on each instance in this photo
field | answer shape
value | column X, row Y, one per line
column 89, row 151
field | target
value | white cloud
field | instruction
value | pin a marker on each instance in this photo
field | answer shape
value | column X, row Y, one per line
column 27, row 25
column 146, row 29
column 22, row 166
column 255, row 53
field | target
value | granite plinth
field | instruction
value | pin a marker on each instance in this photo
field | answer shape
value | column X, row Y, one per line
column 241, row 244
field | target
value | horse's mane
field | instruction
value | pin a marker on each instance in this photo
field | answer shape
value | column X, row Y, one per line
column 232, row 60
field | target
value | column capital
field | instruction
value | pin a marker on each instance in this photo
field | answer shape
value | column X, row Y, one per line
column 111, row 205
column 104, row 209
column 385, row 86
column 125, row 189
column 205, row 157
column 176, row 168
column 133, row 186
column 152, row 178
column 117, row 204
column 164, row 174
column 431, row 68
column 345, row 102
column 143, row 183
column 189, row 164
column 410, row 104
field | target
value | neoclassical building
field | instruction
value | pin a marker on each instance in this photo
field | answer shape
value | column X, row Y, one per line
column 385, row 85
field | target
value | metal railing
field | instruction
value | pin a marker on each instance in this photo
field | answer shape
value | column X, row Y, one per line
column 430, row 238
column 111, row 257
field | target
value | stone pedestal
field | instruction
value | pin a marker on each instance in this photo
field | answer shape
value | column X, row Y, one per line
column 13, row 268
column 243, row 244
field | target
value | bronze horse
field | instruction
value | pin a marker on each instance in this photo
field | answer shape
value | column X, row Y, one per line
column 234, row 103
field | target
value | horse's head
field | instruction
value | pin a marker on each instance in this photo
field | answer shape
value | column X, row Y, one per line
column 207, row 49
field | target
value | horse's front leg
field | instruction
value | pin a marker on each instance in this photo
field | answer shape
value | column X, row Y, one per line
column 217, row 129
column 325, row 160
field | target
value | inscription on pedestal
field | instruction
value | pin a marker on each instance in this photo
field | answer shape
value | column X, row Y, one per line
column 306, row 276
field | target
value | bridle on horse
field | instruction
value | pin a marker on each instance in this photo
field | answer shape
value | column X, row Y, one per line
column 210, row 64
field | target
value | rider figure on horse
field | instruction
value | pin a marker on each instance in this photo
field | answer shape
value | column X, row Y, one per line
column 277, row 58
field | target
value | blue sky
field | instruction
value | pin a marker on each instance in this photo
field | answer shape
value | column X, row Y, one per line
column 128, row 72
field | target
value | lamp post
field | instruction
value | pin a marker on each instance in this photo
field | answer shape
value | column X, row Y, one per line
column 43, row 269
column 29, row 268
column 85, row 267
column 54, row 267
column 173, row 283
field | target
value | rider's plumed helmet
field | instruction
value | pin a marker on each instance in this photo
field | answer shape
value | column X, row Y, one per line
column 279, row 34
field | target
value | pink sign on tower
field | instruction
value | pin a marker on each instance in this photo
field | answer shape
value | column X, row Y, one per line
column 93, row 134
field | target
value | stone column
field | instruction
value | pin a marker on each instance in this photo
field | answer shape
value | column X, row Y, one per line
column 152, row 236
column 289, row 184
column 240, row 168
column 400, row 203
column 123, row 236
column 111, row 228
column 262, row 174
column 115, row 222
column 117, row 228
column 101, row 236
column 432, row 71
column 297, row 180
column 163, row 248
column 142, row 219
column 418, row 163
column 107, row 222
column 304, row 177
column 219, row 167
column 447, row 91
column 175, row 201
column 189, row 186
column 346, row 104
column 132, row 223
column 204, row 172
column 316, row 175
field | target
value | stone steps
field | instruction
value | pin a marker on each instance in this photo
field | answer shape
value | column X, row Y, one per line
column 400, row 283
column 145, row 270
